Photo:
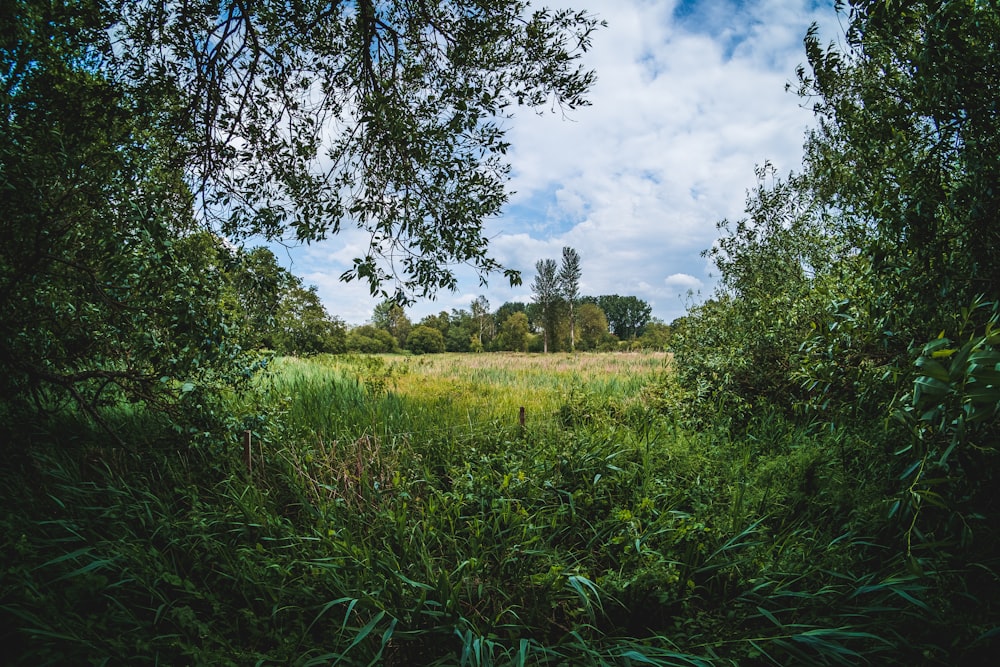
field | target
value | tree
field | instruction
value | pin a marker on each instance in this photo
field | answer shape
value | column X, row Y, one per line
column 627, row 315
column 569, row 282
column 390, row 316
column 370, row 340
column 545, row 291
column 304, row 327
column 259, row 283
column 127, row 125
column 108, row 288
column 906, row 153
column 514, row 333
column 481, row 315
column 425, row 340
column 441, row 322
column 462, row 330
column 655, row 335
column 417, row 91
column 593, row 326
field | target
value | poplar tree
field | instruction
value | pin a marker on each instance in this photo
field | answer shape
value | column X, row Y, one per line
column 569, row 284
column 546, row 292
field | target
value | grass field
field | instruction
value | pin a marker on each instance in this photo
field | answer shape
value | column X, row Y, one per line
column 396, row 512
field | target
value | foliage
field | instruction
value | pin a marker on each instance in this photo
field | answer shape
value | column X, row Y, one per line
column 569, row 281
column 545, row 290
column 399, row 514
column 655, row 336
column 390, row 316
column 108, row 290
column 627, row 315
column 779, row 270
column 304, row 327
column 593, row 327
column 952, row 413
column 514, row 333
column 417, row 97
column 906, row 152
column 368, row 339
column 425, row 340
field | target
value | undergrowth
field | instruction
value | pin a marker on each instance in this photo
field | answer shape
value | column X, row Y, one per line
column 376, row 526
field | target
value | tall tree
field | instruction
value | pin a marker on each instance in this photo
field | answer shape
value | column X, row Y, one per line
column 906, row 151
column 390, row 316
column 481, row 314
column 569, row 284
column 545, row 291
column 627, row 315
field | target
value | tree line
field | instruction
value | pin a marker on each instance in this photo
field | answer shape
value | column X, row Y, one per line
column 514, row 326
column 557, row 319
column 266, row 307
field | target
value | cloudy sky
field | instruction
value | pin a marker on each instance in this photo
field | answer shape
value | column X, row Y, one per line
column 690, row 97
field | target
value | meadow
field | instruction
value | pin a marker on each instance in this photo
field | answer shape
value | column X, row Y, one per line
column 393, row 510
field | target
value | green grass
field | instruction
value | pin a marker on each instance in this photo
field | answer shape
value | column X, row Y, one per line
column 397, row 513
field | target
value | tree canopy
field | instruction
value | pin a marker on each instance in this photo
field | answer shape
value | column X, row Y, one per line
column 302, row 118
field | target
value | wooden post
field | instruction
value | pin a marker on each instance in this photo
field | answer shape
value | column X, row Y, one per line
column 521, row 417
column 248, row 450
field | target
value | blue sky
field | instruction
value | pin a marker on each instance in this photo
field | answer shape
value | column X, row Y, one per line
column 690, row 97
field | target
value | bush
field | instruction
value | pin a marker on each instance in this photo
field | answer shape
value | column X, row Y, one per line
column 425, row 340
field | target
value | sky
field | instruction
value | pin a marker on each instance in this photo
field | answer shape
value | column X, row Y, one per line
column 690, row 97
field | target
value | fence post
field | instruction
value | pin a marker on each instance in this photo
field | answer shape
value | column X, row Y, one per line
column 521, row 418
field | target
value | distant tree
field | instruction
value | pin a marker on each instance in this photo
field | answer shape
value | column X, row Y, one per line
column 441, row 322
column 499, row 317
column 461, row 330
column 390, row 316
column 627, row 315
column 425, row 340
column 514, row 333
column 505, row 311
column 304, row 327
column 545, row 291
column 593, row 326
column 655, row 335
column 259, row 283
column 569, row 287
column 483, row 320
column 370, row 340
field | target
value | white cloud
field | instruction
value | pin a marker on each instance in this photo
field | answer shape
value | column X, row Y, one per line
column 683, row 110
column 683, row 281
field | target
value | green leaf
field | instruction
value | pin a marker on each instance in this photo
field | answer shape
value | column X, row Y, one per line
column 933, row 369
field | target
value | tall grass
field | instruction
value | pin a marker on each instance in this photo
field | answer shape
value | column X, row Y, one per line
column 396, row 512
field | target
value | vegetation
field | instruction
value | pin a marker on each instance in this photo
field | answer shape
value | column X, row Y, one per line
column 807, row 478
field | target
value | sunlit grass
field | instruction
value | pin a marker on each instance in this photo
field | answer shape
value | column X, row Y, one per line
column 493, row 386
